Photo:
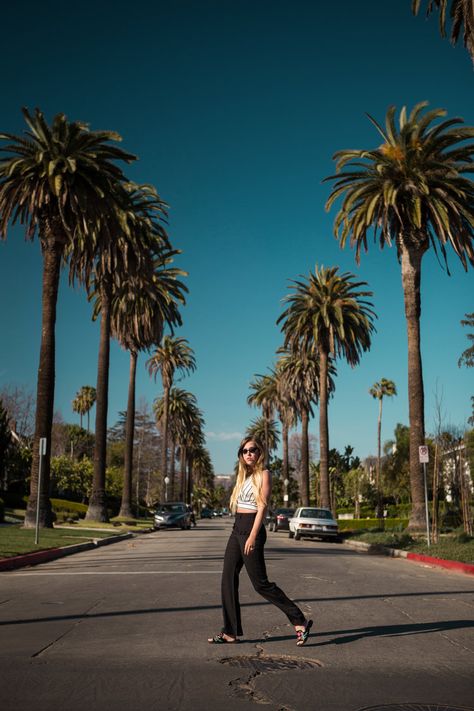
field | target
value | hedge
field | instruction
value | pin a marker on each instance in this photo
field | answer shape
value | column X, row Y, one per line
column 360, row 524
column 69, row 507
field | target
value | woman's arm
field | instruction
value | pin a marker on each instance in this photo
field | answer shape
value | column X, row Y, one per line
column 266, row 494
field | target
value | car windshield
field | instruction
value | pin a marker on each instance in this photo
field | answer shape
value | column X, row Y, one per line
column 315, row 513
column 286, row 512
column 170, row 508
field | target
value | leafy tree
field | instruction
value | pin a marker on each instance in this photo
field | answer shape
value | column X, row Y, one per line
column 462, row 16
column 411, row 190
column 331, row 317
column 379, row 390
column 396, row 465
column 5, row 443
column 61, row 181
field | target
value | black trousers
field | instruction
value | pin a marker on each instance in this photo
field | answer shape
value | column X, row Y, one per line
column 234, row 560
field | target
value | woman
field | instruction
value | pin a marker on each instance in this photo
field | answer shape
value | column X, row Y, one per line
column 249, row 503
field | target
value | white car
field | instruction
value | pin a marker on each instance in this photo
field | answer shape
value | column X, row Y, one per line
column 312, row 521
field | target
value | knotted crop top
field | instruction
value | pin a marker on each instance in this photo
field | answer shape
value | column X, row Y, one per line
column 246, row 497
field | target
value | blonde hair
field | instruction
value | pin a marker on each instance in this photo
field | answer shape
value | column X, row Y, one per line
column 243, row 473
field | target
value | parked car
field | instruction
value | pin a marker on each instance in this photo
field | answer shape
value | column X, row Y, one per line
column 278, row 519
column 174, row 514
column 314, row 522
column 207, row 513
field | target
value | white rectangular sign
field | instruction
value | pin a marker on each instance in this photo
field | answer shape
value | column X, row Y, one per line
column 423, row 454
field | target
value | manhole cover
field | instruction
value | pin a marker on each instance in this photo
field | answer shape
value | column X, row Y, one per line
column 415, row 707
column 270, row 664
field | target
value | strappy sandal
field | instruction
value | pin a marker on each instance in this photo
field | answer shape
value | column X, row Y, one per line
column 220, row 639
column 302, row 635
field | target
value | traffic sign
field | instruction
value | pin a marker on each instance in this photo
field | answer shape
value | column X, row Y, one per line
column 423, row 454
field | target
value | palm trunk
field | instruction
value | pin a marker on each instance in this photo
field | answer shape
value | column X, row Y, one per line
column 323, row 429
column 164, row 435
column 97, row 510
column 52, row 253
column 182, row 467
column 189, row 487
column 284, row 440
column 304, row 458
column 172, row 466
column 126, row 505
column 411, row 280
column 379, row 451
column 266, row 456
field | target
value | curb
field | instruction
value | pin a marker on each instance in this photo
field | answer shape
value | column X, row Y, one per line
column 379, row 549
column 21, row 561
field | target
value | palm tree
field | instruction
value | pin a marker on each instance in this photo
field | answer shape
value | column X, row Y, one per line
column 79, row 405
column 379, row 390
column 262, row 427
column 287, row 416
column 329, row 316
column 467, row 357
column 184, row 420
column 300, row 375
column 143, row 304
column 462, row 16
column 173, row 354
column 89, row 396
column 264, row 395
column 411, row 190
column 61, row 182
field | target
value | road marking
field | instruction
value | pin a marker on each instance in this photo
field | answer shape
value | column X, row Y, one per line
column 121, row 572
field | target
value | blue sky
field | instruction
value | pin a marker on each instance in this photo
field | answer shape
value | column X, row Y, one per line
column 235, row 109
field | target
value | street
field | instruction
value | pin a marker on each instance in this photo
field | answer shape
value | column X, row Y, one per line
column 124, row 627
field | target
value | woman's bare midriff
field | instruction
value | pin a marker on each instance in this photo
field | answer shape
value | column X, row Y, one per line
column 245, row 511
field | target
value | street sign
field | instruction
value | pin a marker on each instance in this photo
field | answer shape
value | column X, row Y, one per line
column 423, row 454
column 42, row 446
column 285, row 497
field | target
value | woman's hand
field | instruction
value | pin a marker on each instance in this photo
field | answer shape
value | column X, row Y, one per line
column 249, row 545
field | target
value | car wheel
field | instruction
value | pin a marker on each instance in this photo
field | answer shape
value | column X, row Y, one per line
column 290, row 534
column 297, row 536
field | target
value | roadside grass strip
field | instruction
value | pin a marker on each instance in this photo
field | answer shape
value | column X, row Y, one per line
column 18, row 541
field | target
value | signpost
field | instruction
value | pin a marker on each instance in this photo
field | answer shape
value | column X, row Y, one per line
column 424, row 458
column 42, row 452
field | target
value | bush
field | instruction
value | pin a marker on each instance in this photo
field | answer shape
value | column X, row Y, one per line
column 373, row 524
column 63, row 507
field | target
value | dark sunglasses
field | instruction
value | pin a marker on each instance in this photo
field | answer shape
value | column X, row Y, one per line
column 250, row 450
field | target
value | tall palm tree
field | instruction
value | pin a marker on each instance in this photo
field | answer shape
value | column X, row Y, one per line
column 61, row 182
column 79, row 405
column 143, row 304
column 462, row 16
column 300, row 376
column 183, row 418
column 262, row 427
column 173, row 354
column 264, row 395
column 467, row 356
column 412, row 190
column 329, row 315
column 287, row 416
column 379, row 390
column 89, row 396
column 139, row 254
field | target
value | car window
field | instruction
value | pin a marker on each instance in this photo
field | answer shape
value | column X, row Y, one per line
column 287, row 512
column 171, row 508
column 315, row 513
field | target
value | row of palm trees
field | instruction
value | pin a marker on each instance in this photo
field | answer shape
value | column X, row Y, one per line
column 65, row 184
column 412, row 191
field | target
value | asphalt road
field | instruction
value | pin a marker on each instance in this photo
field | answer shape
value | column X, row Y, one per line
column 124, row 628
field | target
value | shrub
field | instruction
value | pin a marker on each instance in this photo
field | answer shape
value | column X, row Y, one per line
column 373, row 524
column 63, row 507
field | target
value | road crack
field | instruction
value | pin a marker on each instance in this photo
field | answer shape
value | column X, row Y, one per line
column 66, row 632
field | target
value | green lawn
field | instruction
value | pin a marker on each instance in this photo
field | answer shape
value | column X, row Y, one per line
column 449, row 548
column 16, row 541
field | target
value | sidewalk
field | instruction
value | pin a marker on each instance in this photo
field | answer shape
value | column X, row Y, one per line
column 378, row 549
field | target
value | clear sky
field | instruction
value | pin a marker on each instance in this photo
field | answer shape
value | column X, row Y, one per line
column 235, row 108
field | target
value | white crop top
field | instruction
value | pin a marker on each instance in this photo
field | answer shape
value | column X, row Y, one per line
column 246, row 498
